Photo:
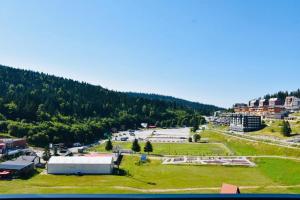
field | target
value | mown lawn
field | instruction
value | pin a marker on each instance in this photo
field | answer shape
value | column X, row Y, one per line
column 175, row 148
column 155, row 176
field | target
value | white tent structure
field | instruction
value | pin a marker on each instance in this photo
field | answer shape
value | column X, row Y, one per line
column 80, row 165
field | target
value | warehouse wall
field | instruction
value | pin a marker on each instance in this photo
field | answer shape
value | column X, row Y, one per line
column 80, row 168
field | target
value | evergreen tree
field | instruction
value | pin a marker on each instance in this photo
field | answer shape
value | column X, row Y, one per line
column 55, row 151
column 195, row 125
column 108, row 146
column 46, row 155
column 148, row 147
column 286, row 129
column 135, row 146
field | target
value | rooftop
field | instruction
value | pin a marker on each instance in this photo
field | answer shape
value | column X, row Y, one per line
column 26, row 158
column 14, row 165
column 229, row 189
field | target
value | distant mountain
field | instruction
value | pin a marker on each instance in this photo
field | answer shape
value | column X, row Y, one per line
column 45, row 108
column 204, row 109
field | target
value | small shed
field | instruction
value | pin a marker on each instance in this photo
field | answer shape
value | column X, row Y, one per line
column 80, row 165
column 230, row 189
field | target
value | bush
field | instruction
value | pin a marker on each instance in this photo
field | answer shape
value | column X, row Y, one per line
column 108, row 146
column 196, row 137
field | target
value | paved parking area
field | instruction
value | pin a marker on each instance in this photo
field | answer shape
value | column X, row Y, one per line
column 177, row 135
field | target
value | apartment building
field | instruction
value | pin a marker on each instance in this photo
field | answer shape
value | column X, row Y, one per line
column 245, row 123
column 292, row 103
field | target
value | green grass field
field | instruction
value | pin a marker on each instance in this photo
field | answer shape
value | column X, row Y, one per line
column 154, row 177
column 271, row 175
column 250, row 148
column 274, row 129
column 176, row 149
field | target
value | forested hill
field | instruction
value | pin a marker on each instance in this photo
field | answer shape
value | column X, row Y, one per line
column 203, row 108
column 46, row 108
column 282, row 95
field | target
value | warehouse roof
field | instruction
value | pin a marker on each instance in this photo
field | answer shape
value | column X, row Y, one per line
column 27, row 158
column 14, row 165
column 80, row 160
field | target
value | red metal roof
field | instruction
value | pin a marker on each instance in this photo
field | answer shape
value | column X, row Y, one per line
column 4, row 172
column 229, row 189
column 98, row 155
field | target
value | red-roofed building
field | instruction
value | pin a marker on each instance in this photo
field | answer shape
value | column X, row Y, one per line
column 229, row 189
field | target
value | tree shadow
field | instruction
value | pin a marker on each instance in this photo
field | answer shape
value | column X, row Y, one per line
column 27, row 176
column 122, row 172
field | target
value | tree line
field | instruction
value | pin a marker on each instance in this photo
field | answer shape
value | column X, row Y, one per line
column 282, row 95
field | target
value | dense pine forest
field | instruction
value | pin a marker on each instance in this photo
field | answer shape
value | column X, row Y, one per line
column 203, row 108
column 45, row 108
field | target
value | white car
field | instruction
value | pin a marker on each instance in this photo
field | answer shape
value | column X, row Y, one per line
column 76, row 144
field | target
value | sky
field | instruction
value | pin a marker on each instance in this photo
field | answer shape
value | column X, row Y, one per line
column 212, row 51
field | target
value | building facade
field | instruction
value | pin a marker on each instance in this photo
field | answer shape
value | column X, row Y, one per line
column 245, row 123
column 80, row 165
column 292, row 103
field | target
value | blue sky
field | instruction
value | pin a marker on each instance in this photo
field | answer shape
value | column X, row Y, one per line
column 218, row 52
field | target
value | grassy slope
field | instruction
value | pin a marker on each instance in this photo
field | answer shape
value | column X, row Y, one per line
column 176, row 149
column 244, row 147
column 274, row 129
column 157, row 176
column 297, row 114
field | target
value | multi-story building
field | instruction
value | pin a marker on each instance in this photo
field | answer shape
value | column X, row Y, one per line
column 253, row 103
column 292, row 103
column 264, row 108
column 274, row 102
column 263, row 103
column 240, row 107
column 245, row 123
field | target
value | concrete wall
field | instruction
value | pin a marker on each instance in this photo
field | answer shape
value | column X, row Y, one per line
column 80, row 168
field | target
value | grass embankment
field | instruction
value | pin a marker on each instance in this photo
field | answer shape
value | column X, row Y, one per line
column 274, row 129
column 297, row 114
column 250, row 148
column 154, row 177
column 175, row 148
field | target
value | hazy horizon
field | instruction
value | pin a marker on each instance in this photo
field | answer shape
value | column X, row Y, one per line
column 212, row 52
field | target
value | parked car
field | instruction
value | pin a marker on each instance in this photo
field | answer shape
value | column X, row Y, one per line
column 124, row 138
column 77, row 144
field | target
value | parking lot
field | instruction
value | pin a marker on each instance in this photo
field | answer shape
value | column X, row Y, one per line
column 176, row 135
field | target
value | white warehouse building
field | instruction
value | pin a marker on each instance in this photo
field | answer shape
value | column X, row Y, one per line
column 80, row 165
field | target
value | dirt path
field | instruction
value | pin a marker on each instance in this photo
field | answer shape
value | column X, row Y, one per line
column 202, row 188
